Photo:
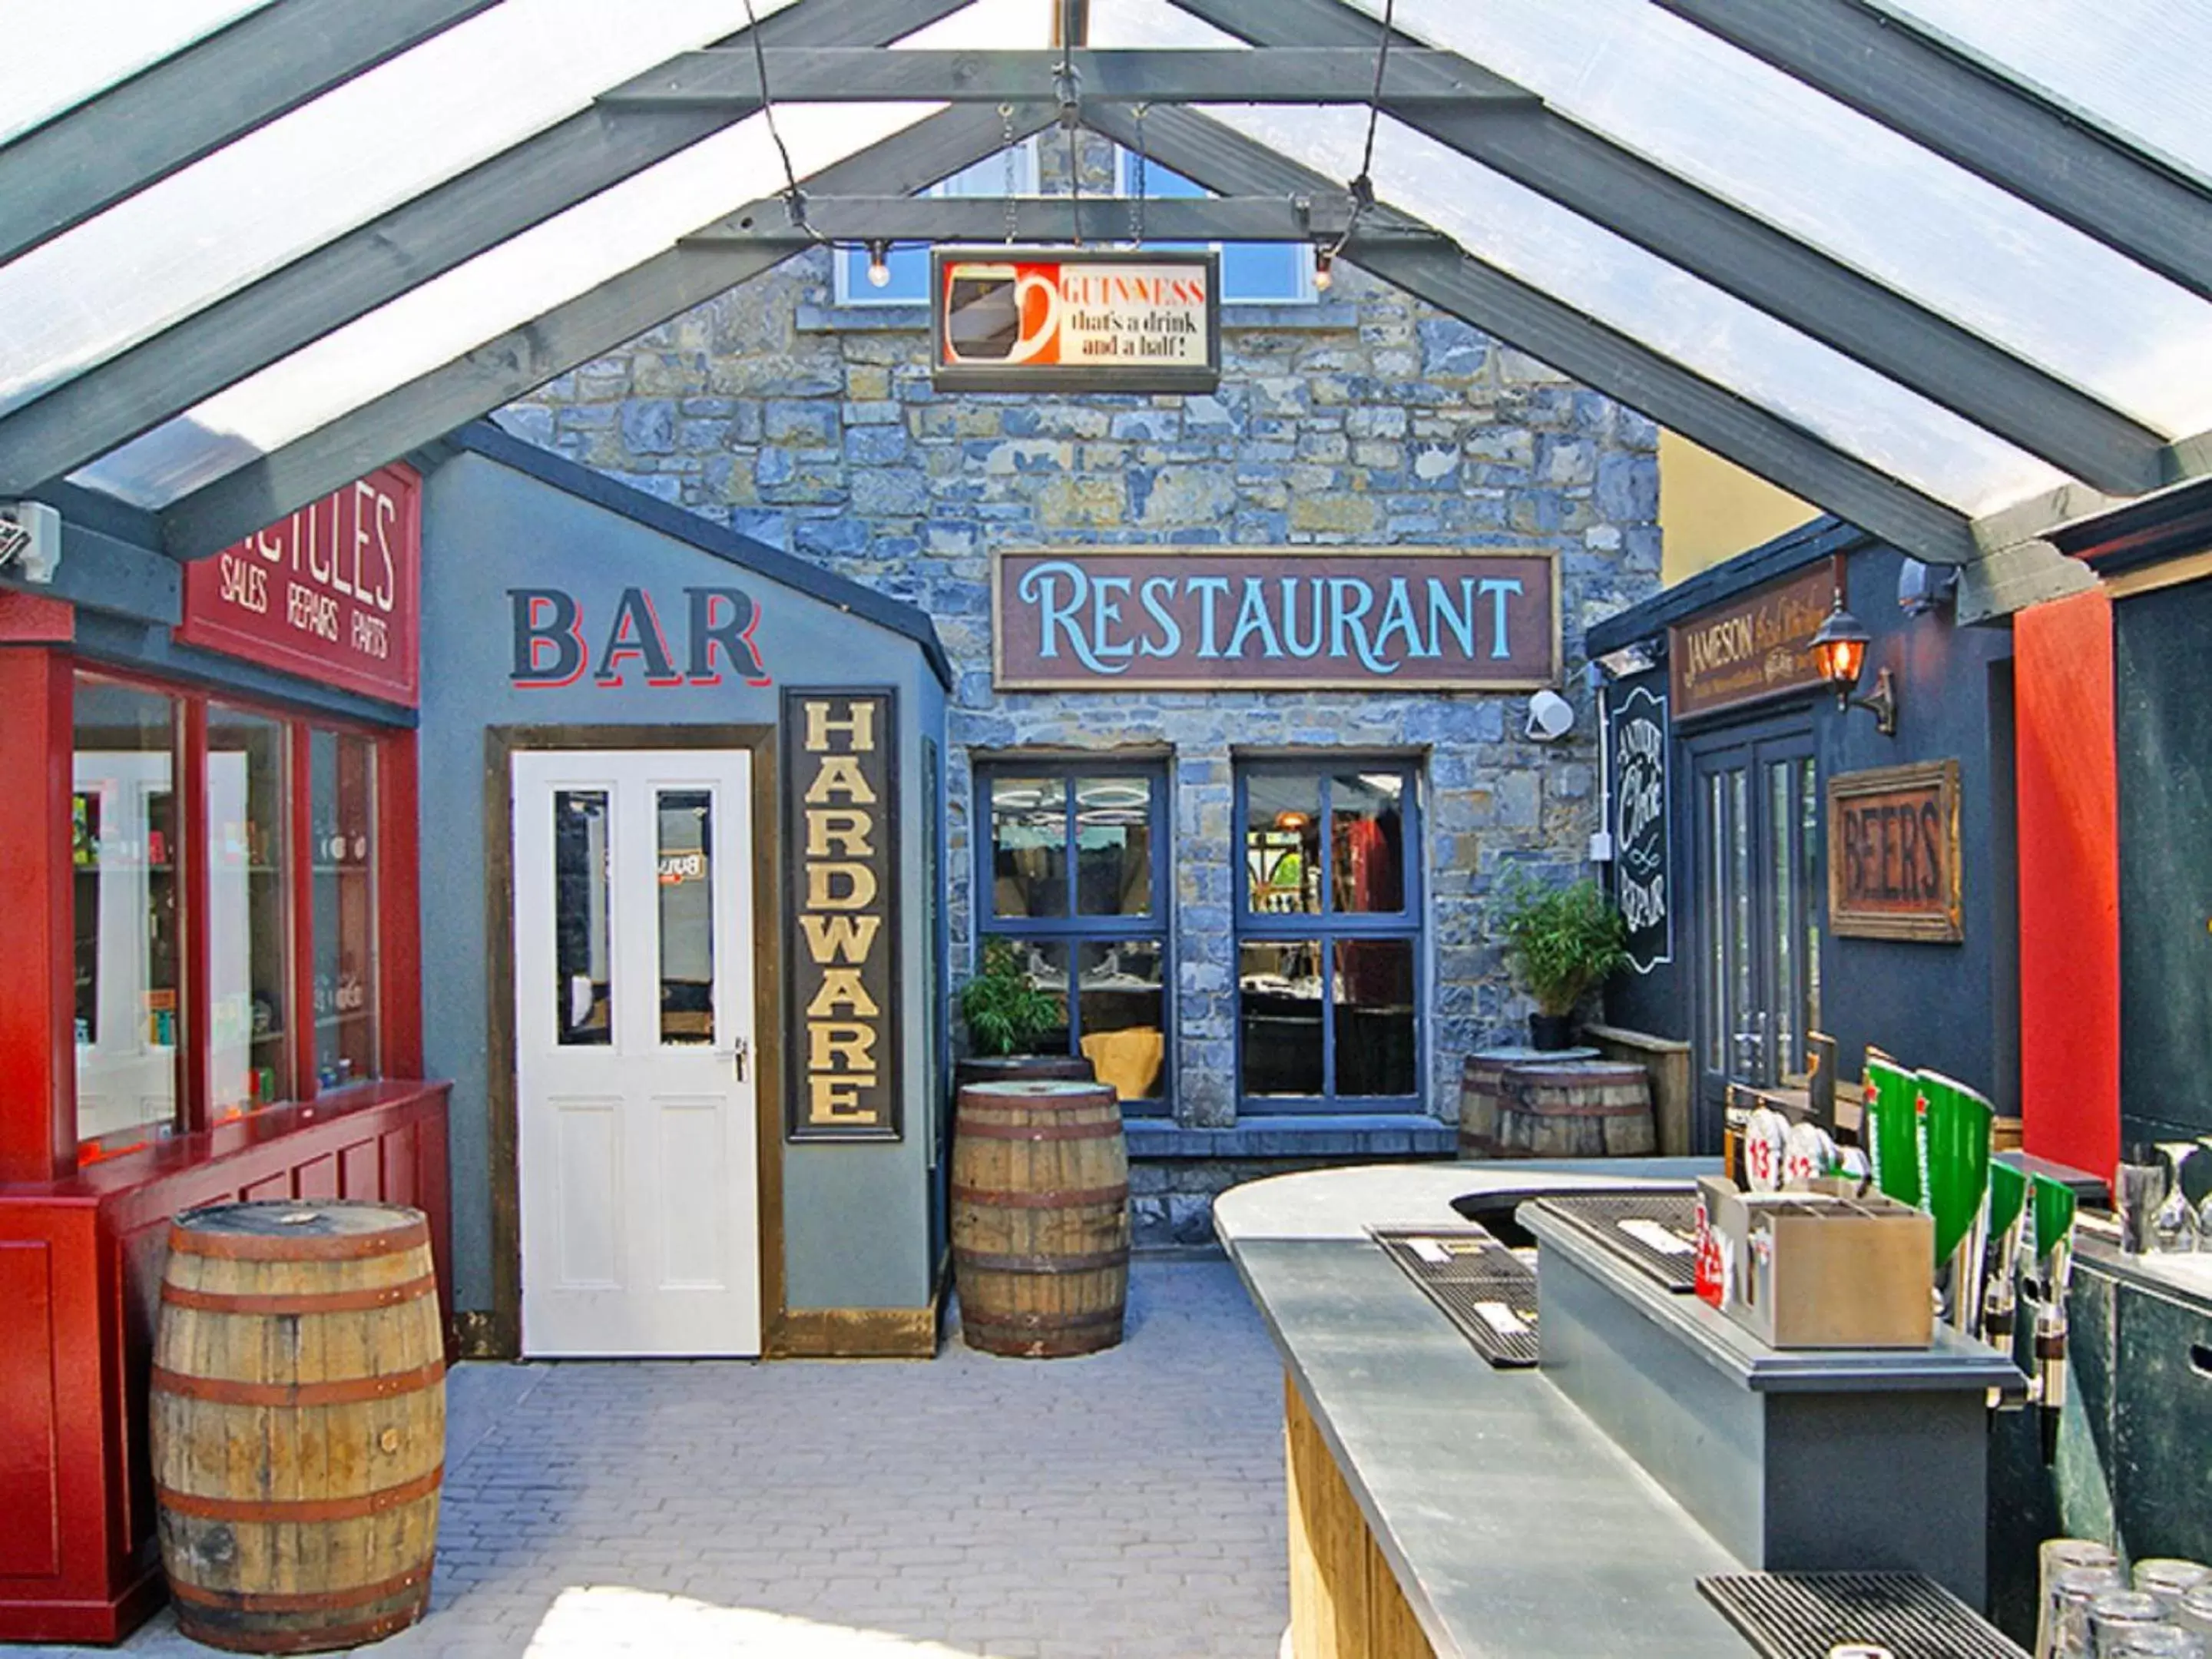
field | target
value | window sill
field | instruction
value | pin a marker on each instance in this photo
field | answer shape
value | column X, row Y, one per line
column 1317, row 316
column 1376, row 1134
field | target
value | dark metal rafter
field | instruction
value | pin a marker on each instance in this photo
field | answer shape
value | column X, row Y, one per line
column 173, row 113
column 502, row 370
column 112, row 403
column 1753, row 261
column 2007, row 132
column 1290, row 75
column 1711, row 415
column 1323, row 218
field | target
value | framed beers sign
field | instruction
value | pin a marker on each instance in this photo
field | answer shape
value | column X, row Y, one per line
column 1075, row 320
column 1893, row 853
column 840, row 862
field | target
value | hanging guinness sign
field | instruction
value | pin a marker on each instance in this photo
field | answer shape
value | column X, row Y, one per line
column 1075, row 320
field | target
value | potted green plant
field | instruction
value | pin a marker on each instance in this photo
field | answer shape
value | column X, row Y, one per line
column 1561, row 943
column 1006, row 1014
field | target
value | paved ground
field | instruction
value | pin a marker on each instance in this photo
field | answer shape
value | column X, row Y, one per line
column 1128, row 1505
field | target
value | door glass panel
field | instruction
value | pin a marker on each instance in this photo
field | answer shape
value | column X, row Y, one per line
column 342, row 767
column 1028, row 846
column 1743, row 997
column 1367, row 843
column 1375, row 1053
column 1282, row 845
column 1280, row 1017
column 1713, row 998
column 1787, row 922
column 1808, row 835
column 583, row 920
column 686, row 866
column 123, row 829
column 1114, row 847
column 249, row 955
column 1124, row 1026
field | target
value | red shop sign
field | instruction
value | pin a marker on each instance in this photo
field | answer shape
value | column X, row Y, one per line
column 333, row 594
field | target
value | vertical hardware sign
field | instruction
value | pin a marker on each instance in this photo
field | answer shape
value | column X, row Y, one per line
column 1640, row 810
column 841, row 841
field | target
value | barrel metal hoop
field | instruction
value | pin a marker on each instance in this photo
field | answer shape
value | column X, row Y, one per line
column 1019, row 1324
column 1004, row 1129
column 983, row 1261
column 340, row 1391
column 327, row 1302
column 257, row 1247
column 201, row 1506
column 1070, row 1199
column 353, row 1595
column 317, row 1638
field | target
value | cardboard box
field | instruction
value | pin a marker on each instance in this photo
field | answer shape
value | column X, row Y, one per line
column 1824, row 1269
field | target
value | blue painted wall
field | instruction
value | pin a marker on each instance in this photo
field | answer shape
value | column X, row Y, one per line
column 856, row 1216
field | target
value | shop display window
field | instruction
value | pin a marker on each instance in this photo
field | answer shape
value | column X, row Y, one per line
column 1329, row 937
column 1072, row 889
column 342, row 838
column 127, row 857
column 226, row 923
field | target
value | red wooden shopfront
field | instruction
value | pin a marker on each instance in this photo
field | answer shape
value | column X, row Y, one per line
column 209, row 935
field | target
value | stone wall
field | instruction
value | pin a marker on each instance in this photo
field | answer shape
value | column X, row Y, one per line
column 1364, row 419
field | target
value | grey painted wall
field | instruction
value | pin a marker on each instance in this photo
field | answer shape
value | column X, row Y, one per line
column 856, row 1216
column 1367, row 419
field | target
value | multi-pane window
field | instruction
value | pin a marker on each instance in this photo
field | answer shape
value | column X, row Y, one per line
column 1252, row 273
column 1329, row 936
column 225, row 955
column 1071, row 887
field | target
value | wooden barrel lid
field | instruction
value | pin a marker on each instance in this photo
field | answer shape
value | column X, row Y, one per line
column 304, row 1230
column 1043, row 1091
column 1576, row 1071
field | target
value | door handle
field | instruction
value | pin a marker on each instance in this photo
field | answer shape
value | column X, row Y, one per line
column 737, row 1056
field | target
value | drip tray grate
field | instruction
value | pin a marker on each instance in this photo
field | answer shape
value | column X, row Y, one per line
column 1482, row 1287
column 1656, row 1232
column 1811, row 1615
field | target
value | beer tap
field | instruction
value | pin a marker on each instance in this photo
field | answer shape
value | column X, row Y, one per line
column 2054, row 1250
column 2007, row 1224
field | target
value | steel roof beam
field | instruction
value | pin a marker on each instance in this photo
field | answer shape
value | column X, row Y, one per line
column 1577, row 344
column 1054, row 219
column 1750, row 259
column 109, row 404
column 1290, row 75
column 1975, row 116
column 594, row 323
column 173, row 113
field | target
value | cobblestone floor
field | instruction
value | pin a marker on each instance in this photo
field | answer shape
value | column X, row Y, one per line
column 1127, row 1505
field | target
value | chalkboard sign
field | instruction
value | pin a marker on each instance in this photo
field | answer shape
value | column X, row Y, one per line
column 1640, row 804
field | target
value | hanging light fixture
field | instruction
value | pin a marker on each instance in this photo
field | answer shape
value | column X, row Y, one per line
column 879, row 264
column 1839, row 648
column 1324, row 269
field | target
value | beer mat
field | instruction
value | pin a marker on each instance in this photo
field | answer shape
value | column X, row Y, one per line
column 1813, row 1615
column 1655, row 1232
column 1486, row 1292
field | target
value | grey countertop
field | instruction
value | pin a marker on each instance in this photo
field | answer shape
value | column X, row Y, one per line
column 1516, row 1528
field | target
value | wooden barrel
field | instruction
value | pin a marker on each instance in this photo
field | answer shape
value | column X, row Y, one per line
column 1576, row 1109
column 299, row 1423
column 1011, row 1068
column 1482, row 1093
column 1040, row 1217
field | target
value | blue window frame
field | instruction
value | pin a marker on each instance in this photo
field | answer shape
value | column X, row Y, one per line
column 908, row 262
column 1329, row 935
column 1252, row 273
column 1072, row 882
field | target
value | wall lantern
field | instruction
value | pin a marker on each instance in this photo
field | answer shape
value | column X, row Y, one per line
column 1839, row 653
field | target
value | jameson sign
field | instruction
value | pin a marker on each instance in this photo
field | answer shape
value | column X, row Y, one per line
column 840, row 844
column 1755, row 646
column 1274, row 618
column 1075, row 320
column 1639, row 826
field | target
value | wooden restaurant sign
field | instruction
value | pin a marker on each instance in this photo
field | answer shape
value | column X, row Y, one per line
column 1893, row 853
column 1758, row 644
column 1279, row 619
column 331, row 593
column 841, row 846
column 1075, row 320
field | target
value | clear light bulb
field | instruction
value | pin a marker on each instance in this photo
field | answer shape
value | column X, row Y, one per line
column 1324, row 269
column 879, row 265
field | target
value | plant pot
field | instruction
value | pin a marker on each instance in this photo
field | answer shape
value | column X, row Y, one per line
column 1551, row 1032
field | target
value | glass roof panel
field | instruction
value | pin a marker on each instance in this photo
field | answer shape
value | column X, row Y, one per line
column 503, row 289
column 60, row 54
column 1654, row 302
column 2142, row 68
column 1873, row 199
column 1008, row 24
column 356, row 152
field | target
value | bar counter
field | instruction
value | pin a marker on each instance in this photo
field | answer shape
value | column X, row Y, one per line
column 1512, row 1527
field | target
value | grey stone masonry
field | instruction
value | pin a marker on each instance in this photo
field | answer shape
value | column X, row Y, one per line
column 1364, row 419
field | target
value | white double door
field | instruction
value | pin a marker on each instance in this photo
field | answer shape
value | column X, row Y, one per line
column 635, row 1090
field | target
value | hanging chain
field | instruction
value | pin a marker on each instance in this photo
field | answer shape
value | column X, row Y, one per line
column 1137, row 212
column 1006, row 143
